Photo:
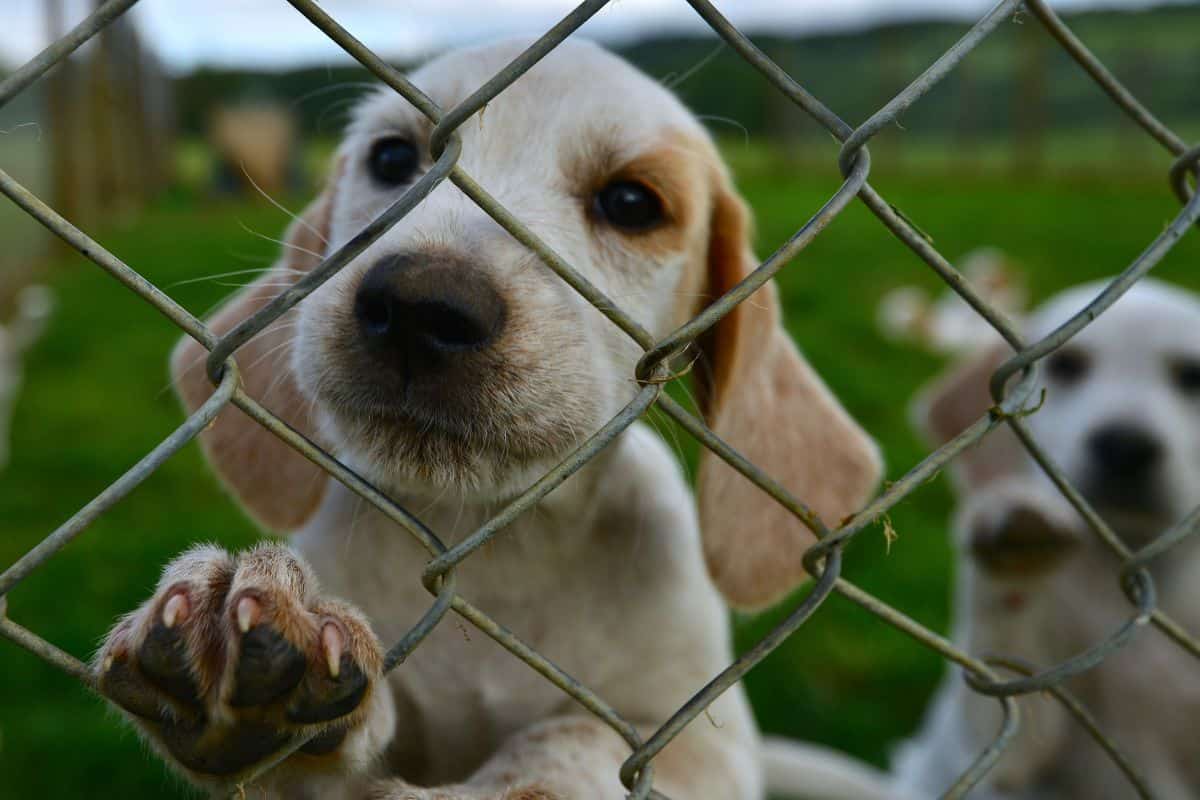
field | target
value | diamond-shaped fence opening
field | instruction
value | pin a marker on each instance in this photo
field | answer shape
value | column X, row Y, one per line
column 824, row 560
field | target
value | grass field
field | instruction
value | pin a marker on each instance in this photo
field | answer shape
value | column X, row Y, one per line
column 97, row 399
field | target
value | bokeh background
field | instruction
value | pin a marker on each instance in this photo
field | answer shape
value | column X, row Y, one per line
column 164, row 137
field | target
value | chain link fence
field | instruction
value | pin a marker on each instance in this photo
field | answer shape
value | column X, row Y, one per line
column 823, row 560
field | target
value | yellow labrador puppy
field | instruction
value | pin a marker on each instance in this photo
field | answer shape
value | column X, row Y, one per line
column 1121, row 416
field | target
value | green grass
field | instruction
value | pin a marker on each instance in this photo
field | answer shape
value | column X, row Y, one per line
column 97, row 400
column 23, row 157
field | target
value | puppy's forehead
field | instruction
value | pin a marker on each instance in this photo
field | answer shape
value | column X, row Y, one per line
column 1150, row 314
column 578, row 90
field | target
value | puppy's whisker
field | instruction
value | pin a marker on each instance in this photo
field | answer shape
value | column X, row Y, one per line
column 216, row 275
column 355, row 515
column 276, row 382
column 280, row 242
column 232, row 285
column 364, row 85
column 210, row 309
column 303, row 222
column 670, row 81
column 731, row 122
column 432, row 503
column 286, row 322
column 337, row 105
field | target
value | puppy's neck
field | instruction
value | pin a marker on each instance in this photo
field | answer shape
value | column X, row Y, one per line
column 455, row 512
column 1174, row 573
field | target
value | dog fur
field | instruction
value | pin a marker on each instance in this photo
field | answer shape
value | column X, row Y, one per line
column 613, row 576
column 1035, row 584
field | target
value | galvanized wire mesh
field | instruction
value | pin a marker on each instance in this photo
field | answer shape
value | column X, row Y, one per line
column 824, row 559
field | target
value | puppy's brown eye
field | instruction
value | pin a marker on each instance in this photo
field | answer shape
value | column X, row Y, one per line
column 1185, row 372
column 1067, row 366
column 393, row 161
column 629, row 205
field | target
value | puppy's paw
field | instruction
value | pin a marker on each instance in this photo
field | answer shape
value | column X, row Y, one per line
column 235, row 658
column 1017, row 529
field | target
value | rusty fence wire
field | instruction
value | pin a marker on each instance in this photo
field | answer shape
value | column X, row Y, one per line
column 824, row 559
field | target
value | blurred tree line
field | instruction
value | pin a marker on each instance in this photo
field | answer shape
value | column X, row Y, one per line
column 1018, row 88
column 94, row 138
column 109, row 119
column 100, row 136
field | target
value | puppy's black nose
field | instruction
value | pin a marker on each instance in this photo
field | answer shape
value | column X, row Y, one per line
column 425, row 309
column 1125, row 450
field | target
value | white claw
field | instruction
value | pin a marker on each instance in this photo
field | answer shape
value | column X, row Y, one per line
column 247, row 613
column 331, row 640
column 175, row 610
column 107, row 665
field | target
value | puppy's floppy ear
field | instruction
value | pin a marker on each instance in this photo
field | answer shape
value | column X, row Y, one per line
column 955, row 400
column 764, row 399
column 277, row 486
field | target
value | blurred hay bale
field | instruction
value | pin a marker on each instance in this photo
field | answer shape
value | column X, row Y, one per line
column 254, row 146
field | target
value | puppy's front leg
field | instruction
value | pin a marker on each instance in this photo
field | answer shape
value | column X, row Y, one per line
column 235, row 658
column 1023, row 540
column 579, row 758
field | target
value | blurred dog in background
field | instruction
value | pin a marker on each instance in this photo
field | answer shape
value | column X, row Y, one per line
column 1121, row 417
column 947, row 325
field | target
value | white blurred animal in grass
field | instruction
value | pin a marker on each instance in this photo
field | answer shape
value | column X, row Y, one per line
column 946, row 324
column 34, row 306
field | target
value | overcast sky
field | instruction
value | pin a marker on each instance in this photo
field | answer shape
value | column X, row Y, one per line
column 269, row 33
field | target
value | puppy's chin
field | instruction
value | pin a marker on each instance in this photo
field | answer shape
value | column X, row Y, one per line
column 1137, row 526
column 414, row 457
